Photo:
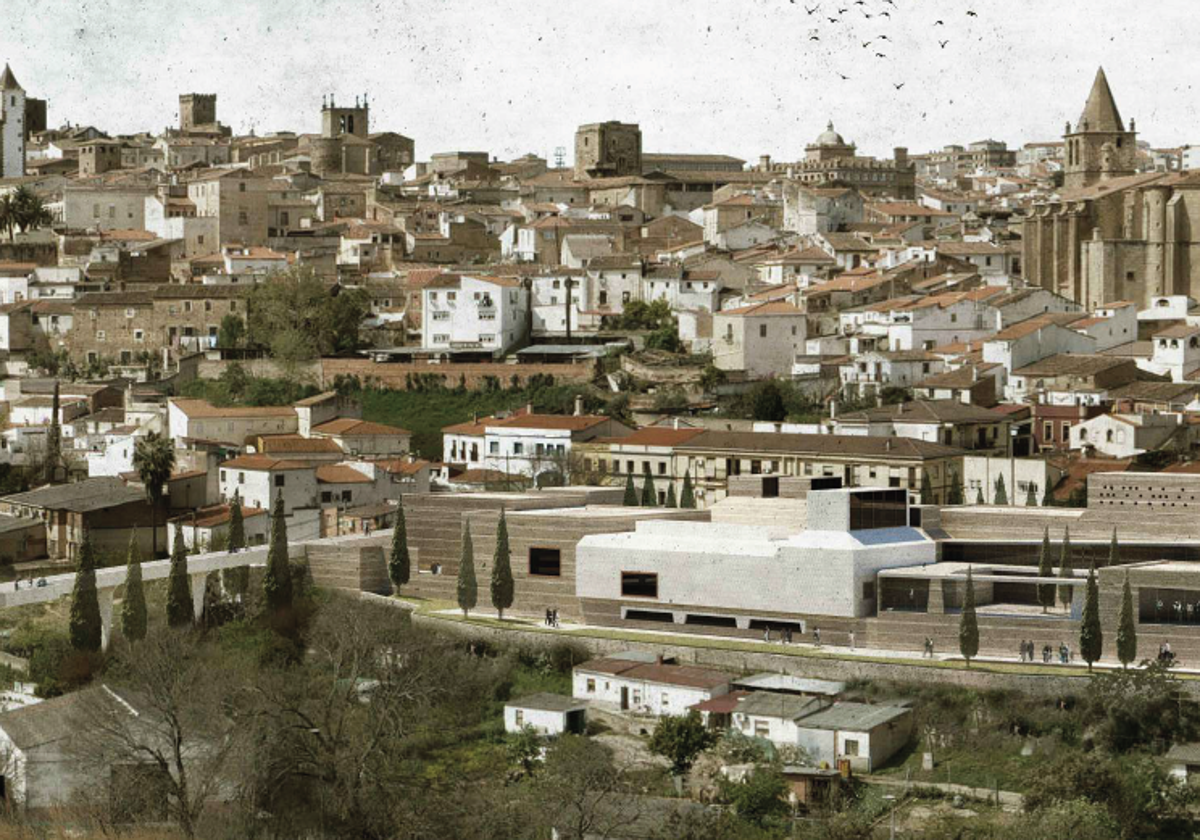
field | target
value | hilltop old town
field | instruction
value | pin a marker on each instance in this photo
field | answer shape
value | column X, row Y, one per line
column 356, row 488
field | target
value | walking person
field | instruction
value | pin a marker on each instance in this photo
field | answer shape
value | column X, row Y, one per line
column 1046, row 653
column 851, row 640
column 817, row 636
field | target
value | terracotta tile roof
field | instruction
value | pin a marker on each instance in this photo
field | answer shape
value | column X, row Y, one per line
column 823, row 445
column 340, row 474
column 293, row 444
column 1178, row 331
column 770, row 307
column 683, row 675
column 352, row 427
column 1072, row 364
column 214, row 515
column 403, row 466
column 264, row 463
column 195, row 408
column 1032, row 325
column 657, row 436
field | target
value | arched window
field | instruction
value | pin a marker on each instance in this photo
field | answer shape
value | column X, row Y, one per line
column 1109, row 436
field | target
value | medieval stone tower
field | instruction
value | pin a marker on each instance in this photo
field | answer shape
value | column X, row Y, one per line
column 196, row 110
column 336, row 121
column 12, row 126
column 1099, row 148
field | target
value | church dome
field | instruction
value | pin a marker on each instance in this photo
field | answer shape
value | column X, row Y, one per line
column 829, row 137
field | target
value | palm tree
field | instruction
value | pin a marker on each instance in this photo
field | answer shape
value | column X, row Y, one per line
column 154, row 459
column 8, row 215
column 29, row 210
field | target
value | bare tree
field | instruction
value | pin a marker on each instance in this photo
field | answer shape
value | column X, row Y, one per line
column 583, row 792
column 332, row 734
column 165, row 730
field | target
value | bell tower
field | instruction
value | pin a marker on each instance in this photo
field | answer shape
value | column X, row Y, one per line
column 1099, row 147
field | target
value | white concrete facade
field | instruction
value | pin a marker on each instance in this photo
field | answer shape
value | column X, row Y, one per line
column 473, row 312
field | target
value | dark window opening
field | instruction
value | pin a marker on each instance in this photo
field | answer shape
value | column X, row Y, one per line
column 712, row 621
column 639, row 585
column 649, row 615
column 878, row 509
column 545, row 562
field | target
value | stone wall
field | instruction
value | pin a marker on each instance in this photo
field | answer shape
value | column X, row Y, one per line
column 740, row 662
column 393, row 374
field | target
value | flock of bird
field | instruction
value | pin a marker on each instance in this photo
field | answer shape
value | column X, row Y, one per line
column 836, row 13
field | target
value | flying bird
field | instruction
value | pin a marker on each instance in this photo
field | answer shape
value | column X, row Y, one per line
column 889, row 1
column 833, row 20
column 887, row 15
column 940, row 23
column 813, row 10
column 884, row 38
column 866, row 44
column 844, row 77
column 971, row 14
column 897, row 87
column 944, row 43
column 880, row 55
column 813, row 38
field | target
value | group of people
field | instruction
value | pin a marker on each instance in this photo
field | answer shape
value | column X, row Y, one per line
column 928, row 648
column 1178, row 611
column 1027, row 651
column 29, row 584
column 552, row 617
column 785, row 634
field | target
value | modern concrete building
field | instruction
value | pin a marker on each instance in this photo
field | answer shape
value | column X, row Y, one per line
column 750, row 578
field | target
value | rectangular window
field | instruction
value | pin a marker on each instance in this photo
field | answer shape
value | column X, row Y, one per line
column 241, row 478
column 326, row 497
column 591, row 685
column 639, row 585
column 762, row 728
column 545, row 562
column 1066, row 430
column 279, row 479
column 762, row 330
column 850, row 747
column 100, row 335
column 346, row 496
column 1048, row 431
column 139, row 336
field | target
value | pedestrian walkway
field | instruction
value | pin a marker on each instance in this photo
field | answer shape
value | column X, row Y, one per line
column 806, row 647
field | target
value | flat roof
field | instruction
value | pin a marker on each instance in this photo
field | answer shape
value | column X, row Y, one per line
column 787, row 682
column 547, row 702
column 989, row 572
column 854, row 716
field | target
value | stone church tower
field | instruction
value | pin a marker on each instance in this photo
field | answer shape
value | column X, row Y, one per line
column 1099, row 148
column 12, row 126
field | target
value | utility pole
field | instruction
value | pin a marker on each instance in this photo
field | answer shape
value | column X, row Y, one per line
column 568, row 284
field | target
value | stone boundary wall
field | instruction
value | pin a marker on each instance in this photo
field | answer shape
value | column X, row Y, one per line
column 392, row 374
column 746, row 662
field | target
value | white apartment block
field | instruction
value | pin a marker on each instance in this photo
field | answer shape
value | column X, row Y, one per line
column 470, row 312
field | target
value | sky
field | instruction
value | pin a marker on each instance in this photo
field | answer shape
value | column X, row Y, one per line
column 740, row 77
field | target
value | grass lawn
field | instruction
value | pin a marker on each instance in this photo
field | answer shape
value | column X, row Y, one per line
column 987, row 761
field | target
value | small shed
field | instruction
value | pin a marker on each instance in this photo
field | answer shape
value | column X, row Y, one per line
column 809, row 786
column 1183, row 762
column 863, row 734
column 548, row 714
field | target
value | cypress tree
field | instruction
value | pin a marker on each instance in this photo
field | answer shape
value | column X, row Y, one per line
column 1065, row 593
column 277, row 581
column 1045, row 592
column 955, row 495
column 1114, row 557
column 649, row 496
column 133, row 608
column 1126, row 628
column 1091, row 637
column 968, row 623
column 1031, row 497
column 53, row 440
column 926, row 489
column 687, row 496
column 979, row 500
column 85, row 627
column 399, row 565
column 179, row 589
column 236, row 580
column 1047, row 499
column 502, row 578
column 467, row 588
column 1001, row 495
column 671, row 503
column 631, row 498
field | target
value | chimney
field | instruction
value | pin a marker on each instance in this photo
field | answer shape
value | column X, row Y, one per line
column 579, row 405
column 764, row 163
